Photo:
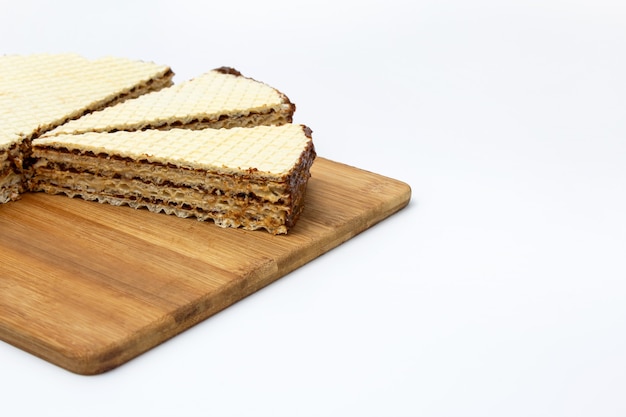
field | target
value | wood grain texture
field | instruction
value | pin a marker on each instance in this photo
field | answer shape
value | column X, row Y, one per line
column 89, row 286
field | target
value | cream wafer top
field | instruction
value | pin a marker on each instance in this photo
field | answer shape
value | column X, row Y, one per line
column 207, row 97
column 72, row 78
column 273, row 151
column 58, row 87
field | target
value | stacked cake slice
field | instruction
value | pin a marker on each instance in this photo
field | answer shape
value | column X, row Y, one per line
column 219, row 147
column 242, row 177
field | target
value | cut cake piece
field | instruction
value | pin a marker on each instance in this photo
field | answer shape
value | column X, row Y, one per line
column 220, row 98
column 253, row 178
column 67, row 86
column 41, row 91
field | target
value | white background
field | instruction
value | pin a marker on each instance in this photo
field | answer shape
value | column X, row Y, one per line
column 499, row 291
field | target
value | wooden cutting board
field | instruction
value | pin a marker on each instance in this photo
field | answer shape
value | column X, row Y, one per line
column 89, row 286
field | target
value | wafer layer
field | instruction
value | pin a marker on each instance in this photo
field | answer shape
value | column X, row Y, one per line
column 242, row 177
column 220, row 98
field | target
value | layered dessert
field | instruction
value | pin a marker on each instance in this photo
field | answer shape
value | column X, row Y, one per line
column 251, row 178
column 218, row 147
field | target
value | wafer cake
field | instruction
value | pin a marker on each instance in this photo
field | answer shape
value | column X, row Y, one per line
column 220, row 98
column 252, row 178
column 42, row 91
column 67, row 86
column 218, row 147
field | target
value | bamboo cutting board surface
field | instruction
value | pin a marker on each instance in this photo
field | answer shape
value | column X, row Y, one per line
column 89, row 286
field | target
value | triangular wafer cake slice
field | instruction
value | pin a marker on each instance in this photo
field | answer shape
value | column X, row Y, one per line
column 41, row 91
column 253, row 178
column 220, row 98
column 66, row 86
